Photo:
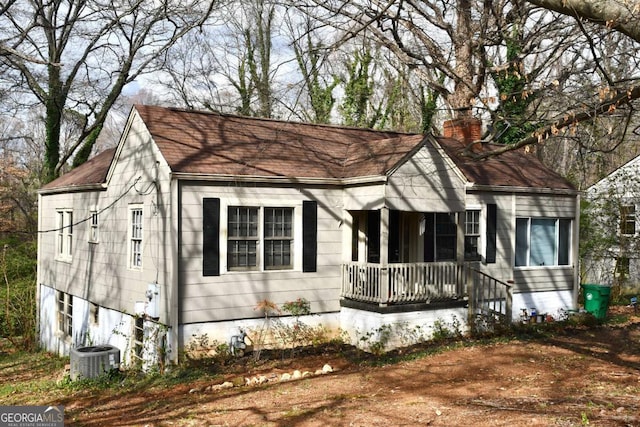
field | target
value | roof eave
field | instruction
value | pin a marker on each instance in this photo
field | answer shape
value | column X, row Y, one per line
column 186, row 176
column 520, row 189
column 73, row 189
column 133, row 113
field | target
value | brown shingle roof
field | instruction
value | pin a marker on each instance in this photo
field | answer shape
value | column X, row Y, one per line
column 516, row 168
column 220, row 144
column 94, row 171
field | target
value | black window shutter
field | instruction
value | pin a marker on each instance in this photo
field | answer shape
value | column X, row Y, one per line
column 429, row 237
column 211, row 237
column 492, row 221
column 309, row 236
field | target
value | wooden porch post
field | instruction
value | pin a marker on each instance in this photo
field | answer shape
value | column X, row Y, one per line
column 509, row 304
column 384, row 256
column 465, row 276
column 460, row 234
column 471, row 278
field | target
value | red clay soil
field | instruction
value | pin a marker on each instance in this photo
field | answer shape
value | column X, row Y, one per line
column 581, row 376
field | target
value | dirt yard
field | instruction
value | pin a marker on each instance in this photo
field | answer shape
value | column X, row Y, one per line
column 582, row 376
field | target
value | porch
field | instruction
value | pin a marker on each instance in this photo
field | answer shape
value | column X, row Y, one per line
column 426, row 284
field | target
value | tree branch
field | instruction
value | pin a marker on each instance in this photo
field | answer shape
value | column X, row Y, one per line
column 618, row 15
column 608, row 106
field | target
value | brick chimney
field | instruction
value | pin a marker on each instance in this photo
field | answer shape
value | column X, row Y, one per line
column 465, row 130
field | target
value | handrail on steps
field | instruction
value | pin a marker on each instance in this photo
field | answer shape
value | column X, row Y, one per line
column 490, row 296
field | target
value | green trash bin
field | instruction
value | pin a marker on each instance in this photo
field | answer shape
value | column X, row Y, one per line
column 596, row 299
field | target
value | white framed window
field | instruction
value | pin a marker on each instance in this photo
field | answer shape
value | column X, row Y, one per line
column 543, row 242
column 65, row 314
column 93, row 227
column 138, row 337
column 243, row 238
column 64, row 237
column 628, row 220
column 472, row 235
column 278, row 238
column 252, row 228
column 135, row 236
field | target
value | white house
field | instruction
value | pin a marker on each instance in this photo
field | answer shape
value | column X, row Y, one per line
column 611, row 241
column 197, row 217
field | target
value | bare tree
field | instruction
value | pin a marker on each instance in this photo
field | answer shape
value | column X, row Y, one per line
column 455, row 46
column 318, row 81
column 231, row 65
column 86, row 52
column 20, row 164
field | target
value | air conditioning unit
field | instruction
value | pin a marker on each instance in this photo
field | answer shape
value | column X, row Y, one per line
column 91, row 362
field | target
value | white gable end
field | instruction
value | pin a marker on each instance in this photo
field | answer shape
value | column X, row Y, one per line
column 426, row 182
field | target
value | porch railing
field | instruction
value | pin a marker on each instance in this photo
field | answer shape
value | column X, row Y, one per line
column 405, row 283
column 490, row 297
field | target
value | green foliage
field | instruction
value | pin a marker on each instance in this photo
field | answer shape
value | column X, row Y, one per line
column 277, row 333
column 202, row 350
column 322, row 99
column 443, row 331
column 377, row 96
column 599, row 225
column 376, row 341
column 513, row 123
column 20, row 262
column 601, row 240
column 624, row 295
column 297, row 334
column 410, row 335
column 429, row 105
column 358, row 90
column 83, row 154
column 16, row 368
column 489, row 325
column 18, row 291
column 298, row 307
column 396, row 110
column 105, row 381
column 319, row 91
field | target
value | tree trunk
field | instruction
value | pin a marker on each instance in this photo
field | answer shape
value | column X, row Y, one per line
column 463, row 94
column 53, row 123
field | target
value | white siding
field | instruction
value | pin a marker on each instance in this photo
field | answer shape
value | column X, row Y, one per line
column 554, row 303
column 235, row 294
column 426, row 183
column 99, row 272
column 502, row 269
column 539, row 205
column 364, row 197
column 112, row 328
column 513, row 205
column 542, row 279
column 606, row 198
